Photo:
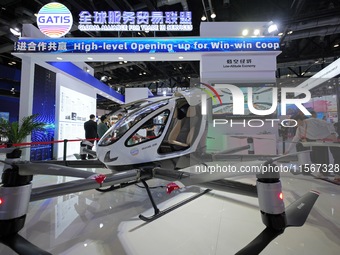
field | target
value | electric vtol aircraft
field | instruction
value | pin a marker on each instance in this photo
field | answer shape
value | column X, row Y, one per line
column 178, row 131
column 154, row 139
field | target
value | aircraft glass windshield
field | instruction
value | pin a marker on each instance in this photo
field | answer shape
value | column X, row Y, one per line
column 128, row 121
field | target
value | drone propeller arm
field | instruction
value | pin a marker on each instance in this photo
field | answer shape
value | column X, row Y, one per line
column 21, row 246
column 51, row 169
column 201, row 173
column 198, row 174
column 234, row 150
column 82, row 185
column 88, row 151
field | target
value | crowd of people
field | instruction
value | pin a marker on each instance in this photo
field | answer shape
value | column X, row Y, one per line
column 95, row 131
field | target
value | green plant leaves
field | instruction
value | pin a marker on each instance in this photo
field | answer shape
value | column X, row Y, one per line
column 16, row 132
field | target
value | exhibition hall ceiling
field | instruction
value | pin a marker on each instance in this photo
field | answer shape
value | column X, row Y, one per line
column 309, row 41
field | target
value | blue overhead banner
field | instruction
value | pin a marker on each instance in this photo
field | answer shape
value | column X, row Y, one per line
column 149, row 45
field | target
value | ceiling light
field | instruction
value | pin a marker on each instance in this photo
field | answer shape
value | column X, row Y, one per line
column 245, row 32
column 144, row 72
column 13, row 62
column 289, row 32
column 256, row 32
column 336, row 45
column 125, row 61
column 180, row 67
column 59, row 58
column 120, row 62
column 146, row 31
column 203, row 18
column 120, row 58
column 213, row 15
column 104, row 78
column 15, row 31
column 272, row 28
column 10, row 64
column 280, row 34
column 89, row 58
column 140, row 74
column 152, row 57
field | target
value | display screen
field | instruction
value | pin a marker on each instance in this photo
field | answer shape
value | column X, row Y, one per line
column 324, row 106
column 262, row 99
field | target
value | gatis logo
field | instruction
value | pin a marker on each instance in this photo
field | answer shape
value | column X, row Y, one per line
column 54, row 20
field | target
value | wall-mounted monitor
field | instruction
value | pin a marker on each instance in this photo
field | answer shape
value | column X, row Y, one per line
column 262, row 99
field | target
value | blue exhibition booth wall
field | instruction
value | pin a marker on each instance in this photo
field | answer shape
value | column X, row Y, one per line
column 9, row 105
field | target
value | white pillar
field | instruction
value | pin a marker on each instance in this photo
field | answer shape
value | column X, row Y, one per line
column 26, row 95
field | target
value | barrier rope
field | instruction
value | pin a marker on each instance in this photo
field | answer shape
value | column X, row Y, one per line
column 47, row 142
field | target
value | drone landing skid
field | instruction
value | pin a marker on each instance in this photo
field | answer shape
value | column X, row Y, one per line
column 159, row 213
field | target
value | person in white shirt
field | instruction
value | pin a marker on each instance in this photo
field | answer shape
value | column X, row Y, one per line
column 314, row 129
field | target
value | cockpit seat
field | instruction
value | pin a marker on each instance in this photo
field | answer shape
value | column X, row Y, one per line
column 183, row 132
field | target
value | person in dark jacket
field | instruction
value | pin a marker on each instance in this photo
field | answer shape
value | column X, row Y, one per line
column 90, row 128
column 102, row 127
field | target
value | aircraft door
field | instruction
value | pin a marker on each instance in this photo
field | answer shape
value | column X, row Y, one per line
column 152, row 129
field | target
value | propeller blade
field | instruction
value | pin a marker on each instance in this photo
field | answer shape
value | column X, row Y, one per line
column 23, row 247
column 286, row 155
column 298, row 211
column 88, row 151
column 296, row 215
column 260, row 242
column 50, row 169
column 11, row 149
column 254, row 137
column 320, row 144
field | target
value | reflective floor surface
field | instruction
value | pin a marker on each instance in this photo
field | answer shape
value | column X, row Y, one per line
column 217, row 223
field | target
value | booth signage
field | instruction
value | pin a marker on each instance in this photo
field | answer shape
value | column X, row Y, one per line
column 54, row 20
column 239, row 63
column 150, row 45
column 135, row 21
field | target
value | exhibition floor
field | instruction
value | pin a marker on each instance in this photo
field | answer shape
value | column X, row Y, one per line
column 217, row 223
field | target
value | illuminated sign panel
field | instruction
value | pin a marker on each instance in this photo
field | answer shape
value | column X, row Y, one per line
column 54, row 20
column 135, row 21
column 149, row 45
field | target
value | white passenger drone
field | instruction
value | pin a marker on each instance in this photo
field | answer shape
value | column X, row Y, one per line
column 157, row 138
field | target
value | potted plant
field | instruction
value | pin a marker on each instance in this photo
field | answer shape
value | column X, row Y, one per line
column 16, row 132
